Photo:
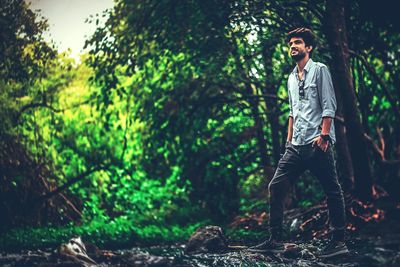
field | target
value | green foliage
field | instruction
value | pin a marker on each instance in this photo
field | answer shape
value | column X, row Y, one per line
column 23, row 54
column 186, row 83
column 24, row 59
column 116, row 234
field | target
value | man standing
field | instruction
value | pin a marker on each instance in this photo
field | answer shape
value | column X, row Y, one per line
column 310, row 140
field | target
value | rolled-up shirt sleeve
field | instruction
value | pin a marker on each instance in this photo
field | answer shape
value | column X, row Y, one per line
column 326, row 93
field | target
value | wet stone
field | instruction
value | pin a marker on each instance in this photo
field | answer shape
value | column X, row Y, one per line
column 207, row 239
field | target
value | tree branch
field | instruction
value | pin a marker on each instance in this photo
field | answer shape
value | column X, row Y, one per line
column 381, row 82
column 380, row 150
column 45, row 105
column 71, row 182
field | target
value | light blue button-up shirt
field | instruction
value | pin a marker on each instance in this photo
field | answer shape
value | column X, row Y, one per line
column 319, row 101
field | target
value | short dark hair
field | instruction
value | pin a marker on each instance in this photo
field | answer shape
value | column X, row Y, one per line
column 304, row 33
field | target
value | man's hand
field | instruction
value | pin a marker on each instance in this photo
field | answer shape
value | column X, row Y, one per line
column 321, row 143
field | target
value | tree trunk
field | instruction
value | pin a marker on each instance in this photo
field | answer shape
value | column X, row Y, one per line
column 272, row 105
column 337, row 38
column 259, row 126
column 345, row 164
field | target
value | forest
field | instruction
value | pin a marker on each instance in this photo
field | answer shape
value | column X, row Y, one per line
column 176, row 118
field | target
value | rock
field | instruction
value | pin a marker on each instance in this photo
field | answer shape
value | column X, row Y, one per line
column 207, row 239
column 75, row 251
column 292, row 250
column 295, row 226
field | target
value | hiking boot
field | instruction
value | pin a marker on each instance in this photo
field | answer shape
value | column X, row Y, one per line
column 333, row 248
column 269, row 245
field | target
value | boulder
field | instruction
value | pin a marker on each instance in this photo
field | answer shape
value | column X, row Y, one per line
column 75, row 251
column 208, row 239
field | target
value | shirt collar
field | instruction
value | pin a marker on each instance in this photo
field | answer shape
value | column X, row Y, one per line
column 307, row 67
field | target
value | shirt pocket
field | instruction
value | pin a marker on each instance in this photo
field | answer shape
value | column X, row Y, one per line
column 311, row 90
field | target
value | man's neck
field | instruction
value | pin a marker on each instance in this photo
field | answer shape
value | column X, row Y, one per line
column 302, row 63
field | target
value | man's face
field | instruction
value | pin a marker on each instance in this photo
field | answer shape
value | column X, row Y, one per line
column 298, row 48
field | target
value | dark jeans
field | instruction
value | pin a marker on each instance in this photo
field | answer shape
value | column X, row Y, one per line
column 291, row 165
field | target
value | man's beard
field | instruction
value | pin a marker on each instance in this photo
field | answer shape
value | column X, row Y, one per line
column 299, row 56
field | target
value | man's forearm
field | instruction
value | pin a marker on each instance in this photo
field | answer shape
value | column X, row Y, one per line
column 290, row 129
column 326, row 125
